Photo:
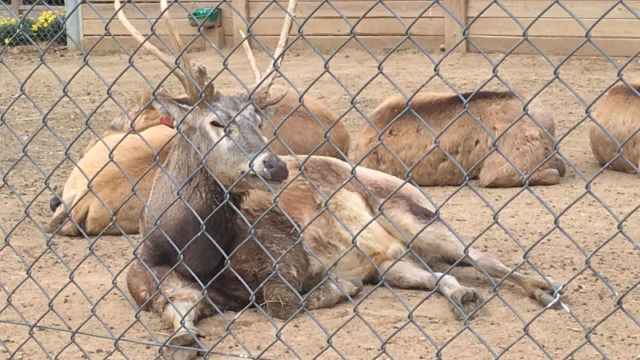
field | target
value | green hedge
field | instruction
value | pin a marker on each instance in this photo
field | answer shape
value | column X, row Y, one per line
column 48, row 26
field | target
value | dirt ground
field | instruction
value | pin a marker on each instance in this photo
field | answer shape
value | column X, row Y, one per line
column 78, row 284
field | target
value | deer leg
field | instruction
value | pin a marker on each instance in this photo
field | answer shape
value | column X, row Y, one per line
column 538, row 289
column 550, row 176
column 437, row 242
column 281, row 301
column 332, row 292
column 405, row 274
column 176, row 299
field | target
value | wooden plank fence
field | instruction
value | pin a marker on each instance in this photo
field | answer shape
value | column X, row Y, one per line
column 555, row 28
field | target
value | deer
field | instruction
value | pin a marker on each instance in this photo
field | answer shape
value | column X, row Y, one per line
column 106, row 189
column 614, row 139
column 441, row 139
column 326, row 228
column 92, row 192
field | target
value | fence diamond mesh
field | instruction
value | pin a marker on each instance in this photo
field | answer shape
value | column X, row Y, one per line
column 185, row 239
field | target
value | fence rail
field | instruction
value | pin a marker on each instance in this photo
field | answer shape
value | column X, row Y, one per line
column 404, row 260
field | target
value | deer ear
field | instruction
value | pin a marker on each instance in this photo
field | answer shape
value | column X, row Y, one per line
column 171, row 111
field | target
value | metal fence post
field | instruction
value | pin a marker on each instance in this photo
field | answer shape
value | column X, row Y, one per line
column 15, row 5
column 73, row 23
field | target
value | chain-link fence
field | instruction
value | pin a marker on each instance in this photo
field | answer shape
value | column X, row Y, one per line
column 335, row 261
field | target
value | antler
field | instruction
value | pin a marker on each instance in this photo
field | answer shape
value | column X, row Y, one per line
column 267, row 79
column 192, row 80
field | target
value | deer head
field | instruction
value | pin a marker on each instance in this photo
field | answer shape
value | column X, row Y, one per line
column 224, row 130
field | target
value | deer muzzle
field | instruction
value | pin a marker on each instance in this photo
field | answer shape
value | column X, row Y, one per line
column 270, row 167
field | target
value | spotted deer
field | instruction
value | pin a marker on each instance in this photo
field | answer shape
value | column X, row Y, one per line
column 400, row 140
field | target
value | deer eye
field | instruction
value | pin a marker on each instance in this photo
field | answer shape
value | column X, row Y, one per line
column 216, row 124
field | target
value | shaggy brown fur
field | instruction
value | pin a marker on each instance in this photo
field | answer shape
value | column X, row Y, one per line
column 618, row 113
column 409, row 133
column 304, row 129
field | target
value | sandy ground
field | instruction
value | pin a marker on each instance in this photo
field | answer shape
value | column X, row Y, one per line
column 78, row 284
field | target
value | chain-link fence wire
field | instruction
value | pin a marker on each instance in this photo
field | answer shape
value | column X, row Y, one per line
column 73, row 336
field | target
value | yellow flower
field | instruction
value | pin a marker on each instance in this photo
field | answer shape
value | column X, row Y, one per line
column 6, row 41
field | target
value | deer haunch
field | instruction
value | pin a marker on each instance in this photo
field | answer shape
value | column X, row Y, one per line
column 106, row 196
column 300, row 128
column 408, row 141
column 617, row 113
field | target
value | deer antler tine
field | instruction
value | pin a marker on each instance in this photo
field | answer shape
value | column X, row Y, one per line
column 267, row 79
column 188, row 83
column 168, row 60
column 252, row 59
column 164, row 58
column 282, row 42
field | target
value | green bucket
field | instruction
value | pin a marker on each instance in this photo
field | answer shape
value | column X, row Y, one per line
column 207, row 17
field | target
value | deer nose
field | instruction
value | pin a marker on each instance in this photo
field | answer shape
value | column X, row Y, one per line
column 275, row 169
column 54, row 203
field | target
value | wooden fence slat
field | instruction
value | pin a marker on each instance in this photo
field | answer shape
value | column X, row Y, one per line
column 376, row 26
column 375, row 42
column 554, row 45
column 407, row 9
column 143, row 11
column 587, row 9
column 624, row 28
column 113, row 44
column 97, row 27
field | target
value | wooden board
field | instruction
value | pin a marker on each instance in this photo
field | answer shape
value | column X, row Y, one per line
column 98, row 27
column 116, row 44
column 328, row 27
column 323, row 43
column 330, row 43
column 626, row 28
column 533, row 8
column 372, row 9
column 555, row 45
column 144, row 11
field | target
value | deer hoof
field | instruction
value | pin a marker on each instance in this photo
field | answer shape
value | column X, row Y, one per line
column 351, row 287
column 549, row 295
column 184, row 337
column 465, row 301
column 180, row 354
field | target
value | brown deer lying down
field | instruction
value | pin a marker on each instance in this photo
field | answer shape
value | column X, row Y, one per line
column 105, row 196
column 198, row 250
column 617, row 113
column 407, row 140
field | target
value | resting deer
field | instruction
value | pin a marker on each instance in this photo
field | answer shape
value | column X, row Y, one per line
column 93, row 193
column 193, row 235
column 408, row 132
column 616, row 114
column 106, row 190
